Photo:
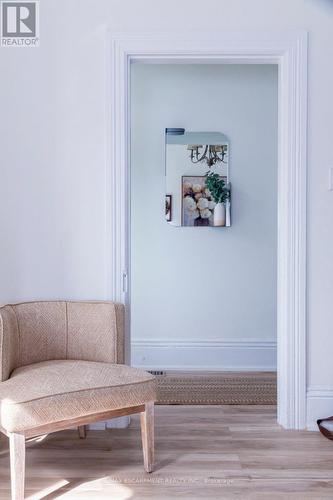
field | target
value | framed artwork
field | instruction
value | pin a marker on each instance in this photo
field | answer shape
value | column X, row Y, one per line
column 197, row 202
column 168, row 207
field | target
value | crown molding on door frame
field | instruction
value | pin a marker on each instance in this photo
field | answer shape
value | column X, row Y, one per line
column 288, row 49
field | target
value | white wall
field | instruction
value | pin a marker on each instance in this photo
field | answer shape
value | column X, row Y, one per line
column 53, row 109
column 204, row 286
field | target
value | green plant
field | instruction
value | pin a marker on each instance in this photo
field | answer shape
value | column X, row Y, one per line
column 216, row 185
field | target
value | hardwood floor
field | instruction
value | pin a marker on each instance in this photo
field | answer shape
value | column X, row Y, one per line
column 201, row 452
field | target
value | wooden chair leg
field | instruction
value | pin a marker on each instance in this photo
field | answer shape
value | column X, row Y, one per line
column 82, row 431
column 147, row 435
column 17, row 465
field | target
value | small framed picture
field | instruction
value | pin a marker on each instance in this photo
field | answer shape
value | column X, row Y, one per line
column 168, row 207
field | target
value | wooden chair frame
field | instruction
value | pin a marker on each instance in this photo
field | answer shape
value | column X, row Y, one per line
column 17, row 440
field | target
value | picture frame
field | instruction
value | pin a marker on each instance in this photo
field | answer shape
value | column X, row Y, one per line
column 194, row 212
column 168, row 207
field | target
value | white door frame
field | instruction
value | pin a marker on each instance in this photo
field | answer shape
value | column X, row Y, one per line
column 288, row 50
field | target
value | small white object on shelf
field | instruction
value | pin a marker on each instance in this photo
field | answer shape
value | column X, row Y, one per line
column 219, row 215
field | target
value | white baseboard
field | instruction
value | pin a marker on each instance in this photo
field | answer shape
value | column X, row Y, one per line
column 118, row 423
column 97, row 426
column 207, row 355
column 319, row 405
column 113, row 423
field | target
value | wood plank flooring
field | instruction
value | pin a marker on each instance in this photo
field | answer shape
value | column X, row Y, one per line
column 214, row 452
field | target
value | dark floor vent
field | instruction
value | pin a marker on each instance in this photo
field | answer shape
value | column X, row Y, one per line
column 157, row 372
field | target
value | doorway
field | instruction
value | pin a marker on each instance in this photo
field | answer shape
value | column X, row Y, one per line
column 289, row 52
column 203, row 298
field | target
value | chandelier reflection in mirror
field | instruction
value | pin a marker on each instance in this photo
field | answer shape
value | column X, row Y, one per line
column 211, row 154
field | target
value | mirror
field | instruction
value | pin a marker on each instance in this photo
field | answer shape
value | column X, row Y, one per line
column 198, row 191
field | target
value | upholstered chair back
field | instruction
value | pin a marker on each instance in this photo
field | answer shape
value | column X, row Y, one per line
column 32, row 332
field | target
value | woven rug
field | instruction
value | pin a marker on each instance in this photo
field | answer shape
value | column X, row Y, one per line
column 250, row 388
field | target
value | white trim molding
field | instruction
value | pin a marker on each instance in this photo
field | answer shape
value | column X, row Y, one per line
column 207, row 355
column 288, row 49
column 319, row 405
column 113, row 423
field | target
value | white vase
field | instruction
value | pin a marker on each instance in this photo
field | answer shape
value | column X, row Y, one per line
column 219, row 214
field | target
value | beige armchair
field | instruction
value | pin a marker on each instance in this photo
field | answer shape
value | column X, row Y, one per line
column 61, row 365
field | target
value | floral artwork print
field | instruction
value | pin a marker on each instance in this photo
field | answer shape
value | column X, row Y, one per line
column 197, row 203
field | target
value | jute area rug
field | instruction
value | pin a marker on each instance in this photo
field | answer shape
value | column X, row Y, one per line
column 212, row 388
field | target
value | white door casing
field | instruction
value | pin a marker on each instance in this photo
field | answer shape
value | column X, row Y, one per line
column 288, row 49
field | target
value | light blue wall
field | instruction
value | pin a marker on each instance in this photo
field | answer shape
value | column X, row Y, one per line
column 204, row 283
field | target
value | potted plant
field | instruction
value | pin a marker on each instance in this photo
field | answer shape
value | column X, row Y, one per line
column 220, row 194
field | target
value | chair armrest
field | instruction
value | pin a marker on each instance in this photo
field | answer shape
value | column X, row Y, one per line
column 9, row 342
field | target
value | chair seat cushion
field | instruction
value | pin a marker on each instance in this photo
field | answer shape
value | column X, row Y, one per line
column 52, row 391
